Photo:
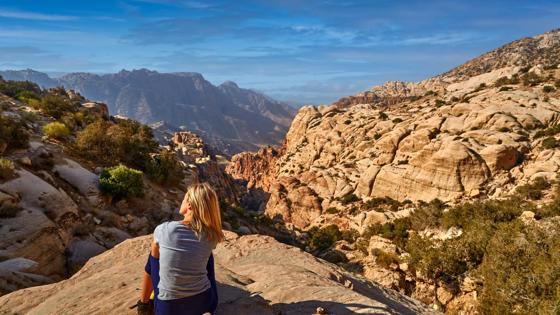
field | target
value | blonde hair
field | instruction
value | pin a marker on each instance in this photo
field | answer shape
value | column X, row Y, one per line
column 206, row 219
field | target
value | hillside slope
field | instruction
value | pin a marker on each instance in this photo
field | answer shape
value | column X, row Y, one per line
column 256, row 275
column 53, row 214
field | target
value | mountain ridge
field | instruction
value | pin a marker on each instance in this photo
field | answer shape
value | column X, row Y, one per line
column 231, row 118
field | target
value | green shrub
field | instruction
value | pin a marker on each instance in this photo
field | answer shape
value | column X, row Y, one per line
column 385, row 259
column 520, row 271
column 121, row 182
column 13, row 134
column 550, row 131
column 331, row 210
column 531, row 79
column 429, row 93
column 505, row 80
column 57, row 106
column 427, row 215
column 383, row 116
column 349, row 198
column 7, row 169
column 127, row 142
column 362, row 244
column 550, row 143
column 15, row 89
column 548, row 88
column 533, row 191
column 371, row 230
column 376, row 136
column 377, row 202
column 396, row 231
column 491, row 210
column 165, row 168
column 56, row 130
column 323, row 238
column 9, row 210
column 350, row 235
column 440, row 103
column 504, row 129
column 455, row 99
column 551, row 209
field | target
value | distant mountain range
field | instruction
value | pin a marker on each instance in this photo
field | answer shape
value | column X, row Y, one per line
column 228, row 117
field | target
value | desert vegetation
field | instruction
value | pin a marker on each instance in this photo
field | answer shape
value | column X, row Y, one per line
column 121, row 182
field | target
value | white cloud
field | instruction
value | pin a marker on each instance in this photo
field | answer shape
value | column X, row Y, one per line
column 26, row 15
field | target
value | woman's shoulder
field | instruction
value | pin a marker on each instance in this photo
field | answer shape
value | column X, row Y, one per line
column 164, row 229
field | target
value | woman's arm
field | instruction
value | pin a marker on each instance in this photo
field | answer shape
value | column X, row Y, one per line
column 147, row 286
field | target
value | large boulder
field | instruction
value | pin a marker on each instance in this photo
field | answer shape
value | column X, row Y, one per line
column 256, row 275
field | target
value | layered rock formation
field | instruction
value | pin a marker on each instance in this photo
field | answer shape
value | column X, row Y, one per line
column 228, row 117
column 478, row 131
column 450, row 137
column 256, row 275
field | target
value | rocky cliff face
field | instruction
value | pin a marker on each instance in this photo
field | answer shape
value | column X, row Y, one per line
column 228, row 117
column 451, row 139
column 254, row 273
column 480, row 131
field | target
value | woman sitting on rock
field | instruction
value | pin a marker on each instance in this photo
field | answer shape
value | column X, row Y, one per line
column 180, row 269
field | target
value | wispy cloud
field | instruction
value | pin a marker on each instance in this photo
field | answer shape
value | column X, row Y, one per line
column 27, row 15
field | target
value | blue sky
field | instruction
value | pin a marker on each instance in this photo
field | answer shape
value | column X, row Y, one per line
column 304, row 51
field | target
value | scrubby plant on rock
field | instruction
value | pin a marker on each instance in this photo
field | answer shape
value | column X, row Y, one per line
column 534, row 190
column 17, row 89
column 548, row 88
column 165, row 168
column 7, row 169
column 121, row 182
column 56, row 130
column 520, row 270
column 9, row 210
column 13, row 134
column 323, row 238
column 550, row 143
column 127, row 142
column 57, row 106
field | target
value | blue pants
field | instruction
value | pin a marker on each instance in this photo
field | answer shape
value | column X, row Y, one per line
column 199, row 304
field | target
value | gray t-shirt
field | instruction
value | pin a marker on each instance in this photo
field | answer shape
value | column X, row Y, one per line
column 182, row 261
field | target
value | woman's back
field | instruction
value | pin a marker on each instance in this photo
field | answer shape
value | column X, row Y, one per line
column 183, row 257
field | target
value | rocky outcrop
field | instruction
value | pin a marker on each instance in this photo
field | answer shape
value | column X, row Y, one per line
column 208, row 166
column 256, row 169
column 450, row 139
column 254, row 273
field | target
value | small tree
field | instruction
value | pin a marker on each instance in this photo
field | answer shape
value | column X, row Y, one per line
column 121, row 182
column 323, row 238
column 56, row 130
column 165, row 168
